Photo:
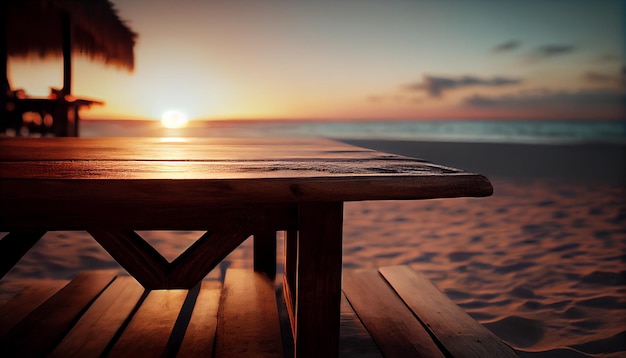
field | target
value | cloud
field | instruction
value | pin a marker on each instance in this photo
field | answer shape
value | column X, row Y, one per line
column 375, row 98
column 599, row 78
column 434, row 86
column 549, row 51
column 602, row 78
column 544, row 98
column 507, row 46
column 607, row 58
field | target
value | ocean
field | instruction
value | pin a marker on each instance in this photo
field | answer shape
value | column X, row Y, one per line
column 494, row 131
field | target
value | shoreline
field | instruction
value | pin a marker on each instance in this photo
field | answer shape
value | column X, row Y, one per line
column 474, row 131
column 580, row 162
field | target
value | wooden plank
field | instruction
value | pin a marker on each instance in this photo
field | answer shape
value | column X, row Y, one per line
column 181, row 149
column 289, row 297
column 284, row 321
column 392, row 325
column 135, row 213
column 318, row 280
column 248, row 323
column 354, row 341
column 98, row 326
column 200, row 334
column 19, row 306
column 36, row 334
column 138, row 198
column 454, row 328
column 135, row 255
column 220, row 170
column 265, row 252
column 150, row 328
column 14, row 245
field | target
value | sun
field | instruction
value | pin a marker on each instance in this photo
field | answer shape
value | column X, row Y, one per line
column 174, row 119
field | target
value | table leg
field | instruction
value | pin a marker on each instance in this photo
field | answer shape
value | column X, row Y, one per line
column 289, row 274
column 318, row 280
column 265, row 252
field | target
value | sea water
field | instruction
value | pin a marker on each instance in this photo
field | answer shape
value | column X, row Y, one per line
column 498, row 131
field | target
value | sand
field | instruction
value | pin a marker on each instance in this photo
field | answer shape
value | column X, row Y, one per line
column 541, row 263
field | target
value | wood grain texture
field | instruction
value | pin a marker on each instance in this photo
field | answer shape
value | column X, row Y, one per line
column 204, row 254
column 200, row 334
column 122, row 176
column 97, row 327
column 172, row 213
column 153, row 271
column 454, row 328
column 391, row 324
column 19, row 306
column 37, row 333
column 354, row 341
column 149, row 330
column 179, row 149
column 318, row 280
column 112, row 186
column 248, row 323
column 239, row 320
column 135, row 255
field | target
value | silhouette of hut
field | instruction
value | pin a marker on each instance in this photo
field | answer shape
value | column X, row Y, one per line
column 53, row 28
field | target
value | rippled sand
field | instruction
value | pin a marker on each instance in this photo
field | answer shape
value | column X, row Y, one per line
column 541, row 264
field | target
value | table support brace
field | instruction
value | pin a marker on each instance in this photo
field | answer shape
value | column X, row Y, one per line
column 153, row 271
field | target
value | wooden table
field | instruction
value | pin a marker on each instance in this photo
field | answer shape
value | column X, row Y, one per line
column 232, row 188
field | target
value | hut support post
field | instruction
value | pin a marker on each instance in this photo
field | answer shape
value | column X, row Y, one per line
column 66, row 28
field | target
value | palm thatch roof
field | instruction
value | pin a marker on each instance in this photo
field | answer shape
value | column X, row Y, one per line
column 34, row 28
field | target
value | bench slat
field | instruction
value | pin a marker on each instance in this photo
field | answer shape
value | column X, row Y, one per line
column 150, row 328
column 454, row 328
column 248, row 323
column 47, row 324
column 391, row 324
column 200, row 334
column 97, row 327
column 18, row 307
column 392, row 312
column 354, row 340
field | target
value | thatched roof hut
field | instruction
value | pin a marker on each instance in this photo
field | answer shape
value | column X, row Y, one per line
column 46, row 28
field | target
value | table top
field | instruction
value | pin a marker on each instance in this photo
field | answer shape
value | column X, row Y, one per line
column 211, row 171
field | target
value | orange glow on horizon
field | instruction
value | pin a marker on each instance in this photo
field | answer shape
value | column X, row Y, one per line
column 327, row 62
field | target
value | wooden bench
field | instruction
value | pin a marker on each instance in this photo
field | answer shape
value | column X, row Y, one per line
column 407, row 316
column 393, row 312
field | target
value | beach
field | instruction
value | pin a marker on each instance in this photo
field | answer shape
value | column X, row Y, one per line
column 541, row 263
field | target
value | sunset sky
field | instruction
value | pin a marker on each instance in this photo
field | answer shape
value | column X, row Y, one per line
column 361, row 59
